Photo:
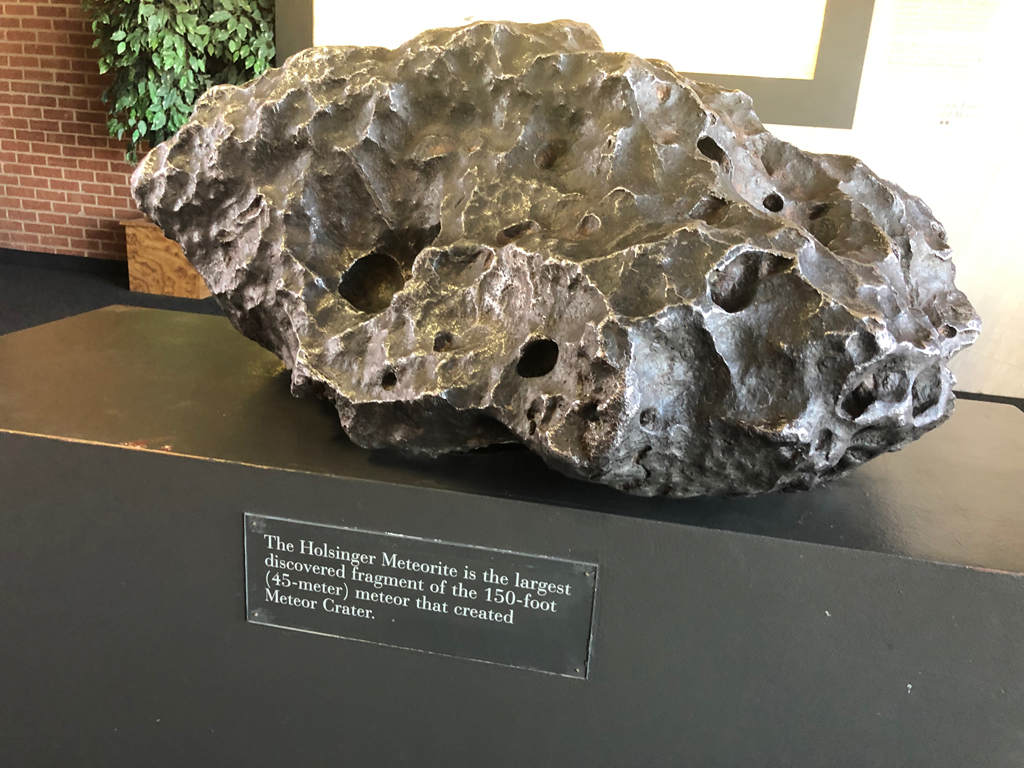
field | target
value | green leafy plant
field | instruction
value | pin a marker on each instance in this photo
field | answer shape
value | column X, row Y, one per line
column 165, row 53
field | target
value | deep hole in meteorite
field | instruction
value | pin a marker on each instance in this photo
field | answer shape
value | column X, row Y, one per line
column 538, row 358
column 774, row 202
column 710, row 149
column 371, row 281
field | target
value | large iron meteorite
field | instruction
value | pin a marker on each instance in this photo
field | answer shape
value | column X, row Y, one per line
column 503, row 232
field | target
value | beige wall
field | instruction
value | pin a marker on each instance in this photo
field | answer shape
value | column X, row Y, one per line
column 939, row 112
column 293, row 27
column 776, row 41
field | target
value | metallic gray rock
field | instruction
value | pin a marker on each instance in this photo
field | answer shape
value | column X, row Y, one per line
column 502, row 232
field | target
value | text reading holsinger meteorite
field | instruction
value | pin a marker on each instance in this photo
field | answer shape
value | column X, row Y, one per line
column 372, row 579
column 506, row 607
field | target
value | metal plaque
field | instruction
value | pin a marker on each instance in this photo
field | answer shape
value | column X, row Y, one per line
column 491, row 605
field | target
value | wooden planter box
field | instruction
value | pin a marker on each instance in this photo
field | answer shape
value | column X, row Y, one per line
column 157, row 264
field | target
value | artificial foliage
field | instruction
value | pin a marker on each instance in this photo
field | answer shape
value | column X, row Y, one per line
column 164, row 55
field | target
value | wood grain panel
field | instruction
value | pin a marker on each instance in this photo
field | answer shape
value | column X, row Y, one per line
column 157, row 264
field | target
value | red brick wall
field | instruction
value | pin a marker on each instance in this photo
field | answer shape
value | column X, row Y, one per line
column 63, row 180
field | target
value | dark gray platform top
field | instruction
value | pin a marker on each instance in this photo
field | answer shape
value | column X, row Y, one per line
column 191, row 385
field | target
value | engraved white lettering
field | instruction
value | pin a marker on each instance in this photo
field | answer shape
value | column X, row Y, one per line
column 487, row 615
column 425, row 604
column 332, row 553
column 440, row 569
column 382, row 597
column 346, row 610
column 274, row 596
column 543, row 587
column 431, row 595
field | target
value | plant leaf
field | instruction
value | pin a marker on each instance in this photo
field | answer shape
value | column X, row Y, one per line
column 163, row 54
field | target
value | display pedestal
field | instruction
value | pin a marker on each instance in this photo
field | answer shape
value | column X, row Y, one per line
column 878, row 621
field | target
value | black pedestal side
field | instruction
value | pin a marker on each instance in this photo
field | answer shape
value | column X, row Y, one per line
column 800, row 630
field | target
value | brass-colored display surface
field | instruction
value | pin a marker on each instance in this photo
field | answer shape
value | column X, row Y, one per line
column 176, row 382
column 191, row 385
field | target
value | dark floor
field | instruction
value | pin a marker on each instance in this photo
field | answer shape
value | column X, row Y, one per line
column 41, row 288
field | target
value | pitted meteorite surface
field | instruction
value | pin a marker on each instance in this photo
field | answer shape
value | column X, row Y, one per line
column 502, row 232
